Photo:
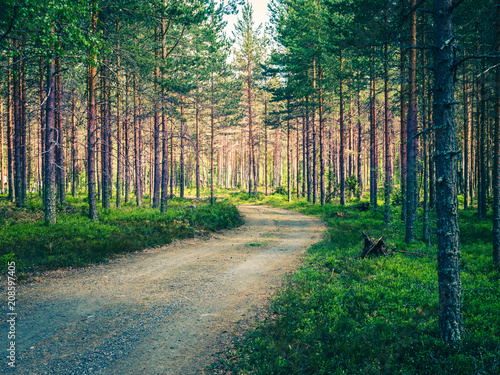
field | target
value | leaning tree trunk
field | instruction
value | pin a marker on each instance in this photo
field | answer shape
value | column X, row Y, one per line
column 446, row 155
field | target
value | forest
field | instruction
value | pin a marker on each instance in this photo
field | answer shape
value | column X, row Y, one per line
column 118, row 113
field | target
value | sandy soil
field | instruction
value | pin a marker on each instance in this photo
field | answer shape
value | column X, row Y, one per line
column 161, row 311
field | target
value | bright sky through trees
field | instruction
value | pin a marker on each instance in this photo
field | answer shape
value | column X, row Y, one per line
column 260, row 15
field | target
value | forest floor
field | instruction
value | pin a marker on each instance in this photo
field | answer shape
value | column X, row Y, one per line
column 167, row 310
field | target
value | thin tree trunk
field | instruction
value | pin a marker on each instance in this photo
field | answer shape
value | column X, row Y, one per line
column 60, row 172
column 373, row 141
column 425, row 146
column 403, row 133
column 118, row 121
column 198, row 149
column 288, row 158
column 321, row 139
column 127, row 139
column 181, row 157
column 496, row 152
column 10, row 132
column 74, row 175
column 387, row 141
column 265, row 143
column 411, row 157
column 314, row 150
column 483, row 169
column 156, row 132
column 212, row 139
column 104, row 138
column 50, row 146
column 172, row 158
column 138, row 164
column 467, row 112
column 92, row 128
column 450, row 294
column 360, row 142
column 342, row 136
column 164, row 179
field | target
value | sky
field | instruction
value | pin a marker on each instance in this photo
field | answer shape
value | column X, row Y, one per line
column 259, row 15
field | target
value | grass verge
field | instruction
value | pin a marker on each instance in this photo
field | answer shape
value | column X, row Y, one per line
column 76, row 241
column 344, row 315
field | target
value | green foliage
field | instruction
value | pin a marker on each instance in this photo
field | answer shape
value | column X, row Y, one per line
column 76, row 241
column 344, row 315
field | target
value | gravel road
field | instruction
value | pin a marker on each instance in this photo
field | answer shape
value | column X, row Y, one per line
column 167, row 310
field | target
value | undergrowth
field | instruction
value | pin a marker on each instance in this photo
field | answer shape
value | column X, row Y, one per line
column 340, row 314
column 76, row 241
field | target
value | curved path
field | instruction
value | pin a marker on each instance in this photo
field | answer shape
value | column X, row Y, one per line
column 161, row 311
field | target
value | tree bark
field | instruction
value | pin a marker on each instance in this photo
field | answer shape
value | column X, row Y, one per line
column 496, row 152
column 197, row 116
column 450, row 294
column 387, row 140
column 360, row 143
column 156, row 132
column 104, row 138
column 60, row 171
column 342, row 136
column 164, row 178
column 127, row 139
column 411, row 139
column 181, row 156
column 467, row 113
column 74, row 175
column 403, row 134
column 50, row 146
column 137, row 150
column 118, row 121
column 10, row 132
column 373, row 141
column 483, row 168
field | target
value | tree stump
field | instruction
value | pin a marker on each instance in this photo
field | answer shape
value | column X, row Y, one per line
column 372, row 248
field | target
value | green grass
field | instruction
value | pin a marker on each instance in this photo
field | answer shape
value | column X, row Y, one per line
column 340, row 314
column 76, row 241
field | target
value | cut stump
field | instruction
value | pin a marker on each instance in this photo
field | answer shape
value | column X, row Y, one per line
column 372, row 248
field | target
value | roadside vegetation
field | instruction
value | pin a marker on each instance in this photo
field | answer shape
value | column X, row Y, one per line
column 76, row 241
column 340, row 314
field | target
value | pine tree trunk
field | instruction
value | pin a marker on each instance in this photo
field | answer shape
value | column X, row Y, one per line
column 403, row 135
column 496, row 152
column 10, row 132
column 74, row 175
column 482, row 190
column 360, row 143
column 342, row 136
column 373, row 142
column 197, row 115
column 387, row 141
column 321, row 141
column 265, row 144
column 182, row 165
column 411, row 139
column 164, row 178
column 298, row 158
column 60, row 172
column 104, row 138
column 212, row 139
column 50, row 146
column 288, row 158
column 18, row 174
column 137, row 150
column 313, row 145
column 127, row 140
column 425, row 146
column 156, row 132
column 1, row 149
column 118, row 121
column 92, row 128
column 465, row 156
column 450, row 294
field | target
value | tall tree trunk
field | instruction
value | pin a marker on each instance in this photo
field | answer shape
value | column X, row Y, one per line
column 197, row 115
column 182, row 163
column 496, row 152
column 10, row 132
column 50, row 146
column 387, row 140
column 104, row 138
column 60, row 171
column 212, row 139
column 403, row 131
column 156, row 132
column 465, row 157
column 137, row 149
column 342, row 136
column 450, row 294
column 425, row 146
column 298, row 158
column 373, row 140
column 172, row 165
column 119, row 145
column 18, row 125
column 74, row 175
column 92, row 128
column 164, row 178
column 127, row 139
column 1, row 148
column 313, row 144
column 411, row 157
column 250, row 136
column 265, row 142
column 360, row 142
column 483, row 168
column 321, row 139
column 288, row 158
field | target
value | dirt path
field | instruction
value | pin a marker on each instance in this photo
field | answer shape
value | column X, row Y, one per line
column 161, row 311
